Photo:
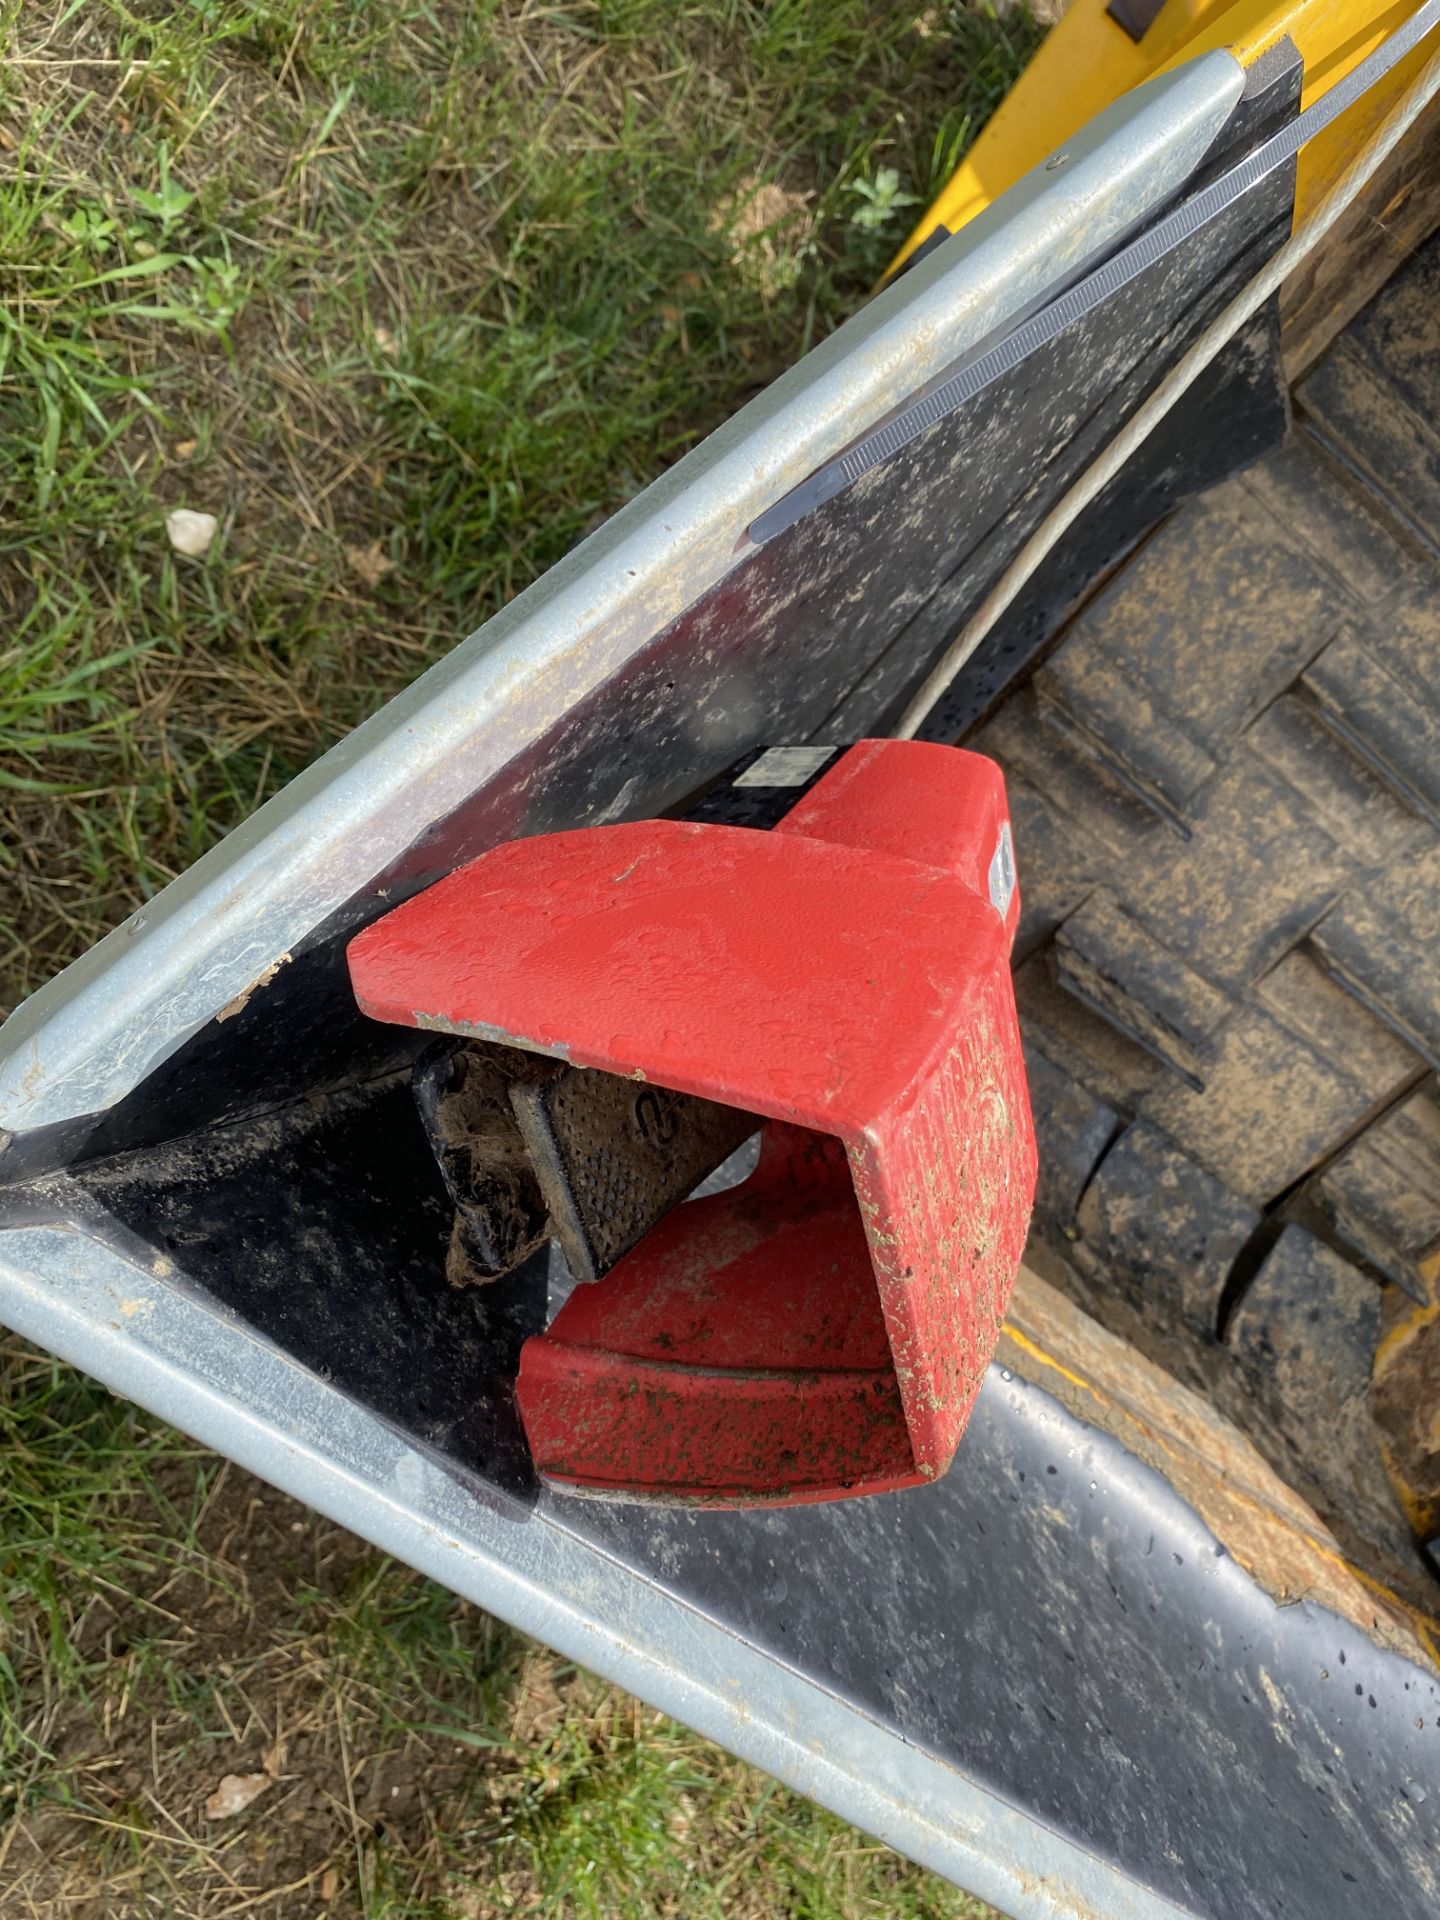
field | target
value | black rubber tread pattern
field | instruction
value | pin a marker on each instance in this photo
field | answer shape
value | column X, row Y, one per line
column 1225, row 782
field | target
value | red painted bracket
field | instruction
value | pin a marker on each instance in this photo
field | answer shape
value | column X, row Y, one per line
column 823, row 1328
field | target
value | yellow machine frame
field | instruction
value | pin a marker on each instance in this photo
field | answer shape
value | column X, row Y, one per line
column 1088, row 60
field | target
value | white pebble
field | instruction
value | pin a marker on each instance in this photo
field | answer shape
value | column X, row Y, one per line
column 190, row 533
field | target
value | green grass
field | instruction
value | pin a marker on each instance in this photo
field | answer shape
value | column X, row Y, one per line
column 166, row 1621
column 442, row 286
column 409, row 297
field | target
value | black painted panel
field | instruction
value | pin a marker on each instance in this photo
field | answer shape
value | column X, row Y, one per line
column 1054, row 1620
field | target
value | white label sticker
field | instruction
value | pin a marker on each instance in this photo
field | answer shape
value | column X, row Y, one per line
column 785, row 766
column 1002, row 872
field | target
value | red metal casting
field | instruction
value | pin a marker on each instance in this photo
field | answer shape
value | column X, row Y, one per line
column 738, row 1354
column 823, row 1328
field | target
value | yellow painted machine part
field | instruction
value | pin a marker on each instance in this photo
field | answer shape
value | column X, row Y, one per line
column 1088, row 60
